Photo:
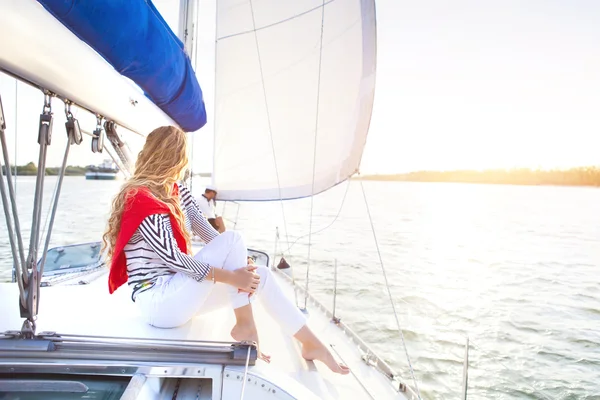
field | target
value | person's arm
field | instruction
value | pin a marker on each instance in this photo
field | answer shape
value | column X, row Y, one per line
column 215, row 219
column 210, row 213
column 220, row 224
column 200, row 226
column 157, row 232
column 214, row 224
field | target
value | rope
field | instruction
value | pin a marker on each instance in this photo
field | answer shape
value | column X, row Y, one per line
column 312, row 192
column 12, row 195
column 44, row 233
column 119, row 163
column 46, row 128
column 352, row 373
column 245, row 379
column 55, row 205
column 387, row 286
column 262, row 79
column 18, row 257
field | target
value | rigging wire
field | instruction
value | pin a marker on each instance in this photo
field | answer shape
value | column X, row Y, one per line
column 16, row 126
column 387, row 286
column 312, row 192
column 362, row 385
column 48, row 213
column 44, row 232
column 262, row 78
column 14, row 237
column 122, row 168
column 245, row 378
column 327, row 226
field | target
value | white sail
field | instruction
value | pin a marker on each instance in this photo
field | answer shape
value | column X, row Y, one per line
column 290, row 73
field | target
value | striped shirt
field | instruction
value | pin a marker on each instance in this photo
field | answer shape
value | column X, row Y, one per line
column 152, row 251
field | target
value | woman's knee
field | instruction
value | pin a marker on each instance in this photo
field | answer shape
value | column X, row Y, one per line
column 231, row 234
column 233, row 237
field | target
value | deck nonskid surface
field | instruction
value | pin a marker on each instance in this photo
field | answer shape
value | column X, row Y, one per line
column 90, row 310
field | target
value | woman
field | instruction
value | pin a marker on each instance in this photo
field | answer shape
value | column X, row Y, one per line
column 148, row 245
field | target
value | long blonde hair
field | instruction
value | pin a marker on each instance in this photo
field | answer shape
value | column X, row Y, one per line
column 161, row 163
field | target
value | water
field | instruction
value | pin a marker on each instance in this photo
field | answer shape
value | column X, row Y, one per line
column 515, row 268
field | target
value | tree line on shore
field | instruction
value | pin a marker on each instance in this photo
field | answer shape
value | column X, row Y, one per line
column 581, row 176
column 31, row 169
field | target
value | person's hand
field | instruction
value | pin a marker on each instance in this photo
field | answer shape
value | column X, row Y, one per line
column 245, row 279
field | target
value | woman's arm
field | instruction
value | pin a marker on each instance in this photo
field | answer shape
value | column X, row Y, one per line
column 200, row 225
column 157, row 232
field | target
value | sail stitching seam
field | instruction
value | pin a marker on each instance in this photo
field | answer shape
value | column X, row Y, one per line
column 255, row 29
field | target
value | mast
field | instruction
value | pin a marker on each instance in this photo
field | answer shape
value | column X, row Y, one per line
column 212, row 175
column 182, row 19
column 188, row 18
column 188, row 33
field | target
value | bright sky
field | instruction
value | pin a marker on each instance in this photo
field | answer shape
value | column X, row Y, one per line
column 460, row 84
column 480, row 84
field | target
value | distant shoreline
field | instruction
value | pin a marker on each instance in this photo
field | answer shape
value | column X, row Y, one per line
column 584, row 176
column 31, row 170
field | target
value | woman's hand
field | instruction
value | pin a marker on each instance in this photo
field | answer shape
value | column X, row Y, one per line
column 245, row 279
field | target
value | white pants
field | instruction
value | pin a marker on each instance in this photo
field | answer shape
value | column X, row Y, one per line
column 177, row 298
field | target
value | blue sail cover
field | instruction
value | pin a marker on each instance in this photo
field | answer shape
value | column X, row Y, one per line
column 134, row 38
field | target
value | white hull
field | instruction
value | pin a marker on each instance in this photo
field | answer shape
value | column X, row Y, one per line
column 69, row 308
column 103, row 176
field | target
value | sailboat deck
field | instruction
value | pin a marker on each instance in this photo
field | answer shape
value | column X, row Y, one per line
column 88, row 309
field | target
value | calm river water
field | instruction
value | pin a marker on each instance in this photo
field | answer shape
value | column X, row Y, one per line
column 514, row 268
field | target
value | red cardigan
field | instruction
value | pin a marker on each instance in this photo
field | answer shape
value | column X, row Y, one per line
column 137, row 208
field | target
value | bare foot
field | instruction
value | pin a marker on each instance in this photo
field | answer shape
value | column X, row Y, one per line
column 248, row 332
column 321, row 353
